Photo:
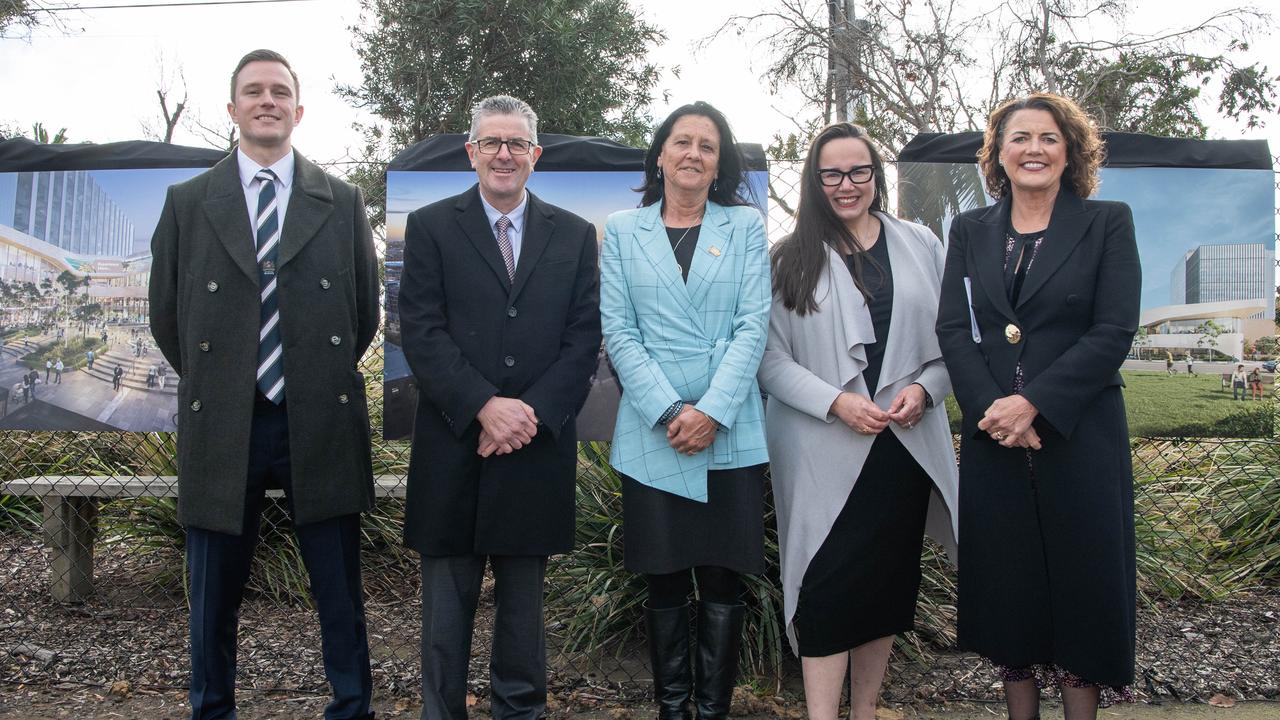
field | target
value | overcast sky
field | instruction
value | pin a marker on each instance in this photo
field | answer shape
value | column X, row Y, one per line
column 98, row 78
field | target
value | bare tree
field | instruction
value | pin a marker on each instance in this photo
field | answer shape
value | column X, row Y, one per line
column 902, row 67
column 1148, row 82
column 165, row 93
column 896, row 68
column 221, row 134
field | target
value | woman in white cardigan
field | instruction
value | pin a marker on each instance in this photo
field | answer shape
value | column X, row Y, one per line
column 861, row 453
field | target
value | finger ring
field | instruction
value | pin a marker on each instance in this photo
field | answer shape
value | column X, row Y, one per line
column 910, row 425
column 999, row 435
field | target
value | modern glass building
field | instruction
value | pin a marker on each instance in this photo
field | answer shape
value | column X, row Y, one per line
column 68, row 209
column 63, row 221
column 1218, row 273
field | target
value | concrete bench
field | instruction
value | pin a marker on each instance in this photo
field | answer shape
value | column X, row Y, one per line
column 71, row 513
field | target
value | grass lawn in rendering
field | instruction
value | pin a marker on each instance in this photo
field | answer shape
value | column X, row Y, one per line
column 1161, row 405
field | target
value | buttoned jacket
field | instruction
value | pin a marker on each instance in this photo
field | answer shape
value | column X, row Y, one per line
column 1067, row 335
column 205, row 297
column 470, row 333
column 699, row 341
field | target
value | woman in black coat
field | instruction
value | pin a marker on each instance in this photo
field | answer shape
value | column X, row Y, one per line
column 1039, row 305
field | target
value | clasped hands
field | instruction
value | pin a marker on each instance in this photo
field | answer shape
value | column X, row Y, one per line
column 507, row 424
column 691, row 431
column 1008, row 422
column 866, row 418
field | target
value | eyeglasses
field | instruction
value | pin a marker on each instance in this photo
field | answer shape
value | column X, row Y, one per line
column 491, row 145
column 857, row 175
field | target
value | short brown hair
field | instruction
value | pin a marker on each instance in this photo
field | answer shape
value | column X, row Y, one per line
column 1085, row 151
column 264, row 56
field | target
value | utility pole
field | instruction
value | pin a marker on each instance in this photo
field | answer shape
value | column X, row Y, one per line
column 844, row 58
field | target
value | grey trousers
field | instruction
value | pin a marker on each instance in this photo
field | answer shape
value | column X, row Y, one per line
column 517, row 666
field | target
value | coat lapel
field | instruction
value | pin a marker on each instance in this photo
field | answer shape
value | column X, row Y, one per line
column 225, row 208
column 987, row 249
column 651, row 235
column 310, row 205
column 538, row 227
column 718, row 234
column 911, row 342
column 475, row 225
column 1067, row 226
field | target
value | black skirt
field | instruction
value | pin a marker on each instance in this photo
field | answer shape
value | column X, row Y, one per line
column 664, row 533
column 863, row 582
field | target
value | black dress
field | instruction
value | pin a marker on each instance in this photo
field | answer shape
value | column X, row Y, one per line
column 664, row 533
column 863, row 581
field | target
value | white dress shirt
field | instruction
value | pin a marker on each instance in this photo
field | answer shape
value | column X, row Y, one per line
column 283, row 168
column 516, row 232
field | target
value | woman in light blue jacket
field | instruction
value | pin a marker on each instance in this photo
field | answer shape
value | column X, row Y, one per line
column 684, row 300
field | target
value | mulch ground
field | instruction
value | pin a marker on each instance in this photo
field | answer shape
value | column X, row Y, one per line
column 124, row 651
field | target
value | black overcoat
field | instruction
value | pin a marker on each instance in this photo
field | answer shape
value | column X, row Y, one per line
column 469, row 334
column 1046, row 561
column 204, row 295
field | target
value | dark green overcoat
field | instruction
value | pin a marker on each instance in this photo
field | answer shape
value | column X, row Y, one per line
column 204, row 293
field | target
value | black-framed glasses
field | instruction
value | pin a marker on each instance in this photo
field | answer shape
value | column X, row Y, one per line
column 857, row 175
column 492, row 145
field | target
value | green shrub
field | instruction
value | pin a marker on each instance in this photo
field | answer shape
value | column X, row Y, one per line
column 71, row 352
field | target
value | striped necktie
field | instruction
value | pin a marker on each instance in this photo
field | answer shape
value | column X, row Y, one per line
column 270, row 363
column 504, row 246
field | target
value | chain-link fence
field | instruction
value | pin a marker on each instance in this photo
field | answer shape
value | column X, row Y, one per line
column 92, row 574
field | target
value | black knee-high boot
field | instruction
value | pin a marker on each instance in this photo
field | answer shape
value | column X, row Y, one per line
column 669, row 656
column 719, row 634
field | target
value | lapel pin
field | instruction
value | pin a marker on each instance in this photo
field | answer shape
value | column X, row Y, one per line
column 714, row 250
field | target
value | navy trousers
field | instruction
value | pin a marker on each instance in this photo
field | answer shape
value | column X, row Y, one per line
column 218, row 565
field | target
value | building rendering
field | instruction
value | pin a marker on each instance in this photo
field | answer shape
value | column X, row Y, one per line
column 62, row 221
column 1229, row 284
column 1216, row 273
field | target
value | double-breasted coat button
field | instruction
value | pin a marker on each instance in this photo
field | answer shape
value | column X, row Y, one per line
column 509, row 361
column 335, row 340
column 511, row 312
column 1012, row 334
column 204, row 345
column 213, row 286
column 343, row 399
column 324, row 283
column 195, row 406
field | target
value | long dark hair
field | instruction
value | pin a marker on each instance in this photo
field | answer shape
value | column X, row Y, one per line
column 730, row 183
column 798, row 260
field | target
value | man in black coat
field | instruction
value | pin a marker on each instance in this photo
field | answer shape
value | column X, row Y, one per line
column 499, row 312
column 264, row 296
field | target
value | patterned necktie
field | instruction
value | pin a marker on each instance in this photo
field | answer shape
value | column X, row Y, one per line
column 504, row 244
column 270, row 364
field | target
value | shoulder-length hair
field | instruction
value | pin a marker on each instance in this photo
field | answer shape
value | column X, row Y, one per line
column 730, row 186
column 1085, row 151
column 799, row 259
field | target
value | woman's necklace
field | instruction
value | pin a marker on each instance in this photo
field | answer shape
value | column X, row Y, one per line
column 857, row 237
column 684, row 235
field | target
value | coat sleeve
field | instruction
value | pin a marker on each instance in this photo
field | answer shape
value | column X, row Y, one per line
column 974, row 387
column 1065, row 388
column 446, row 378
column 162, row 289
column 559, row 393
column 366, row 277
column 735, row 376
column 785, row 379
column 644, row 385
